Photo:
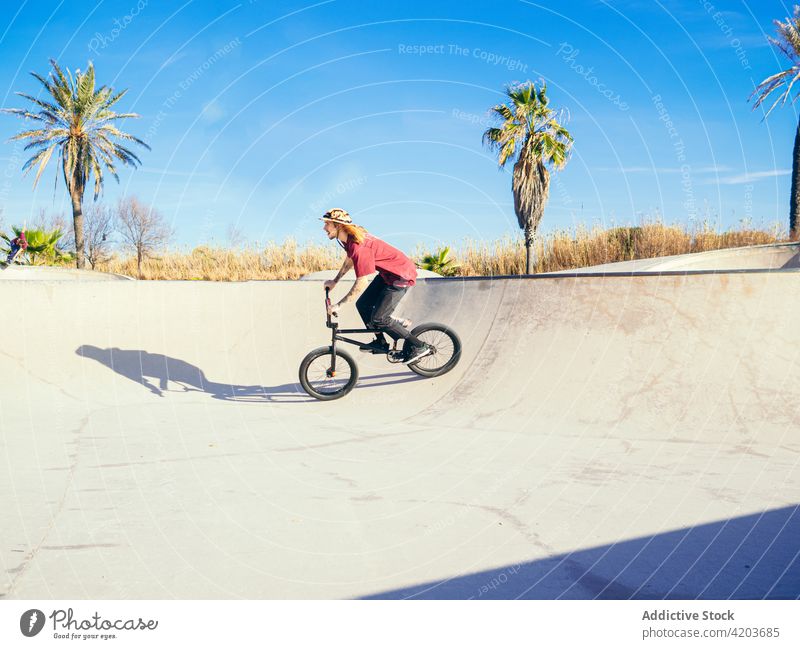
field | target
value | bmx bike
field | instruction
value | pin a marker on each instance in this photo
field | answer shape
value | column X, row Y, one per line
column 328, row 373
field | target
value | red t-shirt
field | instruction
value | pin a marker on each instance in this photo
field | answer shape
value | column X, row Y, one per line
column 394, row 267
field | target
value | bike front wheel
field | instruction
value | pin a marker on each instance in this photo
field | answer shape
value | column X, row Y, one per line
column 446, row 349
column 321, row 381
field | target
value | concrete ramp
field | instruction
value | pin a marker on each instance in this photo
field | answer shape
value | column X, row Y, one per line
column 614, row 436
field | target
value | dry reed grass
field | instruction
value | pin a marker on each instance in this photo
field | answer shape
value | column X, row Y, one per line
column 562, row 250
column 566, row 250
column 273, row 261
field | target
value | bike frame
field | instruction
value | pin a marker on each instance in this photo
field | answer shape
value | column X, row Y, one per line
column 336, row 333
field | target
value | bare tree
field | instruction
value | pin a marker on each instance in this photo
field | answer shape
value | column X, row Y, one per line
column 97, row 231
column 236, row 238
column 142, row 229
column 56, row 221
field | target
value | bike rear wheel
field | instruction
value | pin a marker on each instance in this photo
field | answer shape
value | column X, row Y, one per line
column 447, row 349
column 320, row 382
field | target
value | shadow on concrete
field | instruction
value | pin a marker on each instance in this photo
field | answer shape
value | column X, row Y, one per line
column 751, row 557
column 156, row 371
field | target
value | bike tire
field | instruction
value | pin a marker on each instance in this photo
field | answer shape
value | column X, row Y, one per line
column 314, row 379
column 448, row 349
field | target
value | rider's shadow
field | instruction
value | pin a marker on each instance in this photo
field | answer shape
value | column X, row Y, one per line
column 156, row 371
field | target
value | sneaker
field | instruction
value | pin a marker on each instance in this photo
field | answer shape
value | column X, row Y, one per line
column 372, row 347
column 415, row 353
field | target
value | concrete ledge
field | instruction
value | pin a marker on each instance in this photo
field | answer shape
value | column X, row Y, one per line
column 330, row 274
column 51, row 273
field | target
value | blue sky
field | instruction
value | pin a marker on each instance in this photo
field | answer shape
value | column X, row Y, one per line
column 261, row 115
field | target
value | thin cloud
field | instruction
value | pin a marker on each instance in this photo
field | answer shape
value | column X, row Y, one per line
column 637, row 170
column 749, row 177
column 736, row 179
column 666, row 170
column 169, row 172
column 174, row 59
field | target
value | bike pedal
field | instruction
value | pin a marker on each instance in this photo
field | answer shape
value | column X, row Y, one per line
column 395, row 356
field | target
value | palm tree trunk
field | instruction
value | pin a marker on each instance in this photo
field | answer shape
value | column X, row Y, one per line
column 794, row 201
column 530, row 185
column 76, row 192
column 530, row 233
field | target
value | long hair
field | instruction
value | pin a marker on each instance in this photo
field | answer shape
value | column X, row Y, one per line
column 354, row 232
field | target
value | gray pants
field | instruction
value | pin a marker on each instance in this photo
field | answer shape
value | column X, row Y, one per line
column 376, row 305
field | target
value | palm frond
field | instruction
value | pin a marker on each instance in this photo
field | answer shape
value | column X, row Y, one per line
column 24, row 114
column 787, row 40
column 45, row 158
column 40, row 158
column 506, row 152
column 764, row 88
column 504, row 112
column 86, row 84
column 113, row 130
column 113, row 100
column 41, row 132
column 492, row 136
column 43, row 80
column 98, row 176
column 789, row 86
column 47, row 106
column 39, row 142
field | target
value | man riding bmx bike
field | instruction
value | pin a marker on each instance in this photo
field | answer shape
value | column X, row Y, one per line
column 378, row 299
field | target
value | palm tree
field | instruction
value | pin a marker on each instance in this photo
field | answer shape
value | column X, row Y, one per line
column 530, row 133
column 77, row 123
column 788, row 42
column 440, row 262
column 43, row 245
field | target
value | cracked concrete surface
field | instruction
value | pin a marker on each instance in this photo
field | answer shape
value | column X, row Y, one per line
column 609, row 437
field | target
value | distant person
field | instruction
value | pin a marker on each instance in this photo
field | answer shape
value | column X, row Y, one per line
column 18, row 244
column 379, row 298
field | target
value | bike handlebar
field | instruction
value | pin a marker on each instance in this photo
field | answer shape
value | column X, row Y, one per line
column 327, row 304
